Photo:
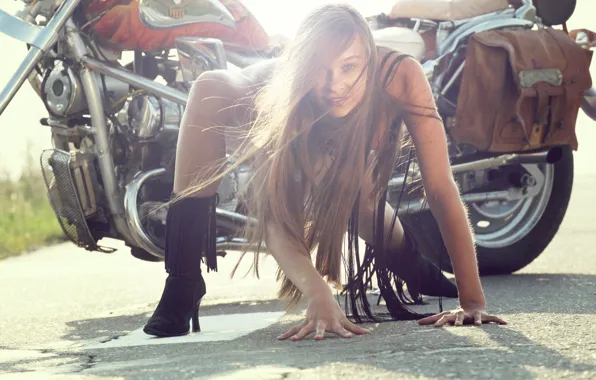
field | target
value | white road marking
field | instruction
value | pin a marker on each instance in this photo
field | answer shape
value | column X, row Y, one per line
column 213, row 328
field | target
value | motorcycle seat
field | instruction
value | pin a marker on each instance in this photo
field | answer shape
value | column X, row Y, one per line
column 401, row 39
column 445, row 10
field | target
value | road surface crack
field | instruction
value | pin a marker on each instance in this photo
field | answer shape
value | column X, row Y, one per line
column 89, row 362
column 109, row 339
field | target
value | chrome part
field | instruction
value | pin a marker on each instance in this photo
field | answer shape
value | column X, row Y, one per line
column 164, row 14
column 62, row 92
column 197, row 55
column 453, row 78
column 225, row 219
column 529, row 78
column 115, row 90
column 237, row 244
column 148, row 116
column 416, row 205
column 34, row 8
column 20, row 30
column 35, row 82
column 133, row 220
column 144, row 115
column 44, row 40
column 227, row 191
column 100, row 132
column 534, row 181
column 501, row 224
column 172, row 114
column 549, row 156
column 136, row 81
column 490, row 208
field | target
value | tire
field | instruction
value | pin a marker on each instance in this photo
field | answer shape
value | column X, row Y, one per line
column 589, row 109
column 513, row 257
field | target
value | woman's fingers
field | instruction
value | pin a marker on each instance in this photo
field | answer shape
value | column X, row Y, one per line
column 299, row 332
column 477, row 318
column 320, row 331
column 290, row 332
column 432, row 319
column 492, row 318
column 304, row 332
column 341, row 331
column 459, row 318
column 354, row 328
column 444, row 320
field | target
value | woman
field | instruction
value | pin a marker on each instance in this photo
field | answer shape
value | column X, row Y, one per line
column 321, row 126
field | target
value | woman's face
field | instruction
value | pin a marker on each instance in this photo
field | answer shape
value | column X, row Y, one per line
column 340, row 86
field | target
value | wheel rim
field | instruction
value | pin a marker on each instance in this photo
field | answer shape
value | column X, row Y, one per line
column 501, row 224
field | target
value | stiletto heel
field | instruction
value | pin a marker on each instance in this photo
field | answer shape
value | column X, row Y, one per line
column 195, row 318
column 200, row 292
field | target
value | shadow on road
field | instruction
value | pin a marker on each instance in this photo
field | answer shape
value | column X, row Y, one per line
column 397, row 349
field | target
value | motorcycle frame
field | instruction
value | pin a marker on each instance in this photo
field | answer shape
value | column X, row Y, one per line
column 123, row 204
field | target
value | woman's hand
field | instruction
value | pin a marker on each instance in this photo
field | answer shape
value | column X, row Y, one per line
column 476, row 315
column 323, row 314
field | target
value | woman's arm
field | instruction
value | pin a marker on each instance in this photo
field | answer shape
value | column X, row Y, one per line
column 296, row 265
column 323, row 313
column 412, row 90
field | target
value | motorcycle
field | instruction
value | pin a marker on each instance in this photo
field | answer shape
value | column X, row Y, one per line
column 115, row 126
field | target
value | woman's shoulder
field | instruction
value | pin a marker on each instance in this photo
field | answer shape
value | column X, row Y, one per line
column 397, row 71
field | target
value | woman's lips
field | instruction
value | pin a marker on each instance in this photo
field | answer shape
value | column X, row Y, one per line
column 336, row 101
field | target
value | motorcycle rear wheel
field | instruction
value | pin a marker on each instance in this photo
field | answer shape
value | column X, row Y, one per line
column 513, row 251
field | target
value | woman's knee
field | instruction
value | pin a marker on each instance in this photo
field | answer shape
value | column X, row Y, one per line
column 209, row 97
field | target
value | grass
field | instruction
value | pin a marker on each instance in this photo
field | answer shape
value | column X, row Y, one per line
column 27, row 220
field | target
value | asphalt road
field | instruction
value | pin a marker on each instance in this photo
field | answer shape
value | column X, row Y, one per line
column 66, row 314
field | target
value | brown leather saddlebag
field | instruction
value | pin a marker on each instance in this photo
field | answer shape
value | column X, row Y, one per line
column 521, row 90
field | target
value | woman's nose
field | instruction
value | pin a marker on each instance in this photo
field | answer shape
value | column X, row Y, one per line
column 335, row 83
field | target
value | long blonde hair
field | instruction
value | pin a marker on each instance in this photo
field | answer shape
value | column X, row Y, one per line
column 290, row 132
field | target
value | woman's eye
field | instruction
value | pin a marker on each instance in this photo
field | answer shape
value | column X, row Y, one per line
column 348, row 67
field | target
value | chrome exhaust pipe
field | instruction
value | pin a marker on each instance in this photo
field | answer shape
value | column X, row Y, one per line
column 417, row 205
column 225, row 219
column 549, row 156
column 236, row 244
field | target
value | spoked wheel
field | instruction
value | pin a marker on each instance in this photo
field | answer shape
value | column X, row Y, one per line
column 510, row 235
column 500, row 224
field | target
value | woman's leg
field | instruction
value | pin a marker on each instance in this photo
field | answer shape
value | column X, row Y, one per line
column 420, row 274
column 190, row 220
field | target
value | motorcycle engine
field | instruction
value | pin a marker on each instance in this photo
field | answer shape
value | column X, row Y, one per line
column 63, row 94
column 148, row 116
column 62, row 91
